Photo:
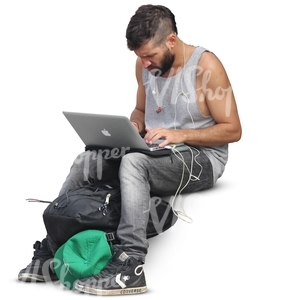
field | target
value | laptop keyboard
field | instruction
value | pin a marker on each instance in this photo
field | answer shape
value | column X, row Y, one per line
column 154, row 146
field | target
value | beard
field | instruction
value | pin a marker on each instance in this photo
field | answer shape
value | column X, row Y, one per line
column 166, row 64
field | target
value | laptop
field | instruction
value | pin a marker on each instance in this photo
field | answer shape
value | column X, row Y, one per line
column 99, row 131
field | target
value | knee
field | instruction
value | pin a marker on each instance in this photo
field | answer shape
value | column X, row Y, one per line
column 131, row 162
column 83, row 157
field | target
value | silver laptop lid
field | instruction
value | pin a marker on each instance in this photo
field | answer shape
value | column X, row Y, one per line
column 111, row 131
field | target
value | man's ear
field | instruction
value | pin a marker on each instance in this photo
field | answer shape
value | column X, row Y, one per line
column 171, row 40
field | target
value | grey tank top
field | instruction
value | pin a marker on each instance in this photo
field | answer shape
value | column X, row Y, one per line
column 172, row 103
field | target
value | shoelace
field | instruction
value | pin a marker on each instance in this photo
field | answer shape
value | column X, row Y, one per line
column 40, row 253
column 113, row 268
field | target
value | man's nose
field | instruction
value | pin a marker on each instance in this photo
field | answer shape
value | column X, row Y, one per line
column 146, row 63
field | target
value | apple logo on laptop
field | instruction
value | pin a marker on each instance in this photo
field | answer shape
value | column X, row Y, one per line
column 105, row 132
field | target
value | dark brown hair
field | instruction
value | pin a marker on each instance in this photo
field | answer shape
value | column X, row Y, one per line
column 150, row 22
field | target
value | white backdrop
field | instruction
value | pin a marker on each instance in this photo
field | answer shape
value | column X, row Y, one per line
column 71, row 55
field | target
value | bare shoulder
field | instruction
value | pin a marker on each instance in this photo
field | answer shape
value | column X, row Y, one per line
column 138, row 63
column 209, row 61
column 138, row 69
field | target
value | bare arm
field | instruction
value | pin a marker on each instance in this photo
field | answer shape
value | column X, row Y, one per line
column 216, row 98
column 138, row 114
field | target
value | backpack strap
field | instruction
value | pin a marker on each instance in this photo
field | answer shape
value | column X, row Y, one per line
column 112, row 237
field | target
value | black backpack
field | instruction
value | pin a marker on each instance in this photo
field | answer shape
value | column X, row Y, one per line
column 98, row 206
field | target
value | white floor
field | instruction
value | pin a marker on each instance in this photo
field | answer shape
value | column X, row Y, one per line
column 243, row 242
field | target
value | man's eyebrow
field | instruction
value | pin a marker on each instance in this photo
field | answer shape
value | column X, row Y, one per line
column 148, row 55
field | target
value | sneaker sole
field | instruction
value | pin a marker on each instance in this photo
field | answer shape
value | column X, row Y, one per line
column 27, row 277
column 93, row 291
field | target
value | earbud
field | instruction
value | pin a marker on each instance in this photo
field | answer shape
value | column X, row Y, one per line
column 153, row 93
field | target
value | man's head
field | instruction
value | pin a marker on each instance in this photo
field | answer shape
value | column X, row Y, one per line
column 150, row 22
column 148, row 32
